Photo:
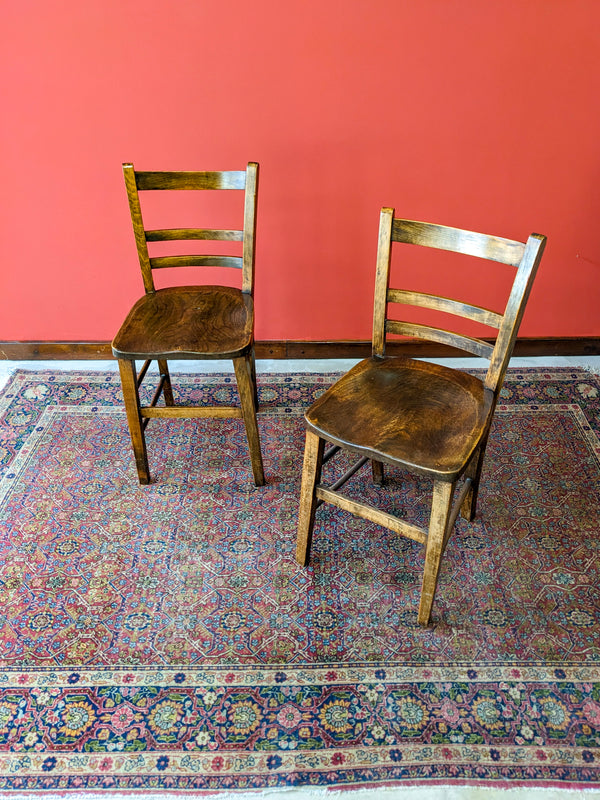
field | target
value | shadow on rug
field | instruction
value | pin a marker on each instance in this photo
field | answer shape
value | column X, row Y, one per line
column 163, row 637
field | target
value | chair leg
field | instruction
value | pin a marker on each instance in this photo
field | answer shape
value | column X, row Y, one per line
column 311, row 475
column 167, row 388
column 134, row 419
column 243, row 374
column 378, row 475
column 473, row 471
column 253, row 378
column 440, row 511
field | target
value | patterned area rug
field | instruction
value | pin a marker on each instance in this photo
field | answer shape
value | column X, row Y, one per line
column 164, row 638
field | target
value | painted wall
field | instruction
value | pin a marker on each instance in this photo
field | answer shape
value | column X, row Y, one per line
column 482, row 114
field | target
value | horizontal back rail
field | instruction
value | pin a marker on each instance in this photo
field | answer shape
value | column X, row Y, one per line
column 189, row 234
column 164, row 262
column 475, row 346
column 441, row 237
column 445, row 304
column 190, row 180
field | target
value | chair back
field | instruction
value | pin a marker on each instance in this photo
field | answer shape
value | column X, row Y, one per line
column 523, row 257
column 242, row 180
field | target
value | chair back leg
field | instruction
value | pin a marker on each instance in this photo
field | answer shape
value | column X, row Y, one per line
column 134, row 419
column 167, row 388
column 311, row 476
column 247, row 392
column 253, row 378
column 378, row 475
column 441, row 506
column 473, row 471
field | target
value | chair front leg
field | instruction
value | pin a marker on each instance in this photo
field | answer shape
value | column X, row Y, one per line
column 167, row 388
column 440, row 511
column 311, row 475
column 134, row 418
column 243, row 372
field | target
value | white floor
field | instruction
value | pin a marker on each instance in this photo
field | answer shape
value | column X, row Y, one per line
column 292, row 365
column 591, row 363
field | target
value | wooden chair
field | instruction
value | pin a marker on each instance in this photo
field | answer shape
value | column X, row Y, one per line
column 429, row 419
column 190, row 322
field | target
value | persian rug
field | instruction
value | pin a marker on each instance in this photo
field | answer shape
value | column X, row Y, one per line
column 163, row 638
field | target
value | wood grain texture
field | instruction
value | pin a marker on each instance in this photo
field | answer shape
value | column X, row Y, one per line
column 426, row 418
column 163, row 368
column 191, row 234
column 378, row 473
column 169, row 262
column 135, row 209
column 372, row 514
column 165, row 181
column 191, row 412
column 190, row 322
column 476, row 347
column 382, row 280
column 143, row 181
column 483, row 315
column 134, row 419
column 438, row 522
column 250, row 216
column 187, row 322
column 311, row 475
column 249, row 403
column 515, row 308
column 440, row 237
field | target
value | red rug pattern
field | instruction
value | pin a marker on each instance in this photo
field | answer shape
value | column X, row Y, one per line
column 164, row 636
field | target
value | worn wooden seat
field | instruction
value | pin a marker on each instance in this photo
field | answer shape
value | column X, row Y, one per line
column 425, row 417
column 428, row 419
column 190, row 322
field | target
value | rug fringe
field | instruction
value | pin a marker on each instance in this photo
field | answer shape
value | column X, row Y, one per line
column 594, row 369
column 343, row 793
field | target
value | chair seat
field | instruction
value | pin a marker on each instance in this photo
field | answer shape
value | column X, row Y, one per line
column 187, row 322
column 425, row 417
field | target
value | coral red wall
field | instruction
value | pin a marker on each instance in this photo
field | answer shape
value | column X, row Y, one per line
column 480, row 114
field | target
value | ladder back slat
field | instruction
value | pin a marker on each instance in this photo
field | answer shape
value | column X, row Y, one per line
column 172, row 234
column 163, row 262
column 441, row 237
column 445, row 304
column 190, row 180
column 475, row 346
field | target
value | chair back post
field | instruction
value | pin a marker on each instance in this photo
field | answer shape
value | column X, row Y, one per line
column 138, row 227
column 382, row 279
column 249, row 240
column 515, row 308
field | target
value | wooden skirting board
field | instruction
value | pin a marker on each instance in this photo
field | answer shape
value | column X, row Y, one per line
column 92, row 351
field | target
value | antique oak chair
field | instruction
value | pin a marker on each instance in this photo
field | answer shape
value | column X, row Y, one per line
column 190, row 322
column 428, row 419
